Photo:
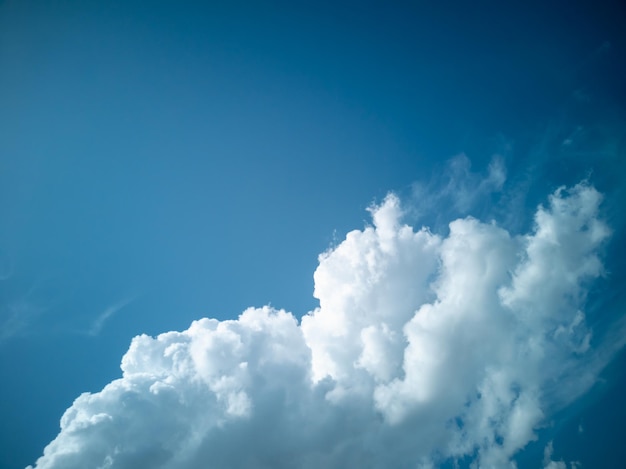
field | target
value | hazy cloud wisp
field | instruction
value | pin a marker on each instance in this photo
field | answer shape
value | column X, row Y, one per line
column 104, row 316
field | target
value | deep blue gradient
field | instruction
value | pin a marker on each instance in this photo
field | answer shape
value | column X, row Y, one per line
column 194, row 160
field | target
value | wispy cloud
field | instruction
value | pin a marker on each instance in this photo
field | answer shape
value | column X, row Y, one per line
column 16, row 318
column 548, row 463
column 457, row 190
column 20, row 313
column 99, row 322
column 6, row 265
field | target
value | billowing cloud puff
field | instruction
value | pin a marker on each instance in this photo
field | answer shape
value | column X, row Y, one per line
column 424, row 348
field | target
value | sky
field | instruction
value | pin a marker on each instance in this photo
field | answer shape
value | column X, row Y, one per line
column 309, row 234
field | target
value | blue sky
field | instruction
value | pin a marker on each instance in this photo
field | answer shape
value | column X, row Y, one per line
column 164, row 162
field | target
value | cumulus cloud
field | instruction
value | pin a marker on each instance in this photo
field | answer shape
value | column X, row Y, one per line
column 424, row 348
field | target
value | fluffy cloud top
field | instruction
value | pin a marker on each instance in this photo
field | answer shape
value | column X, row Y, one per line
column 423, row 348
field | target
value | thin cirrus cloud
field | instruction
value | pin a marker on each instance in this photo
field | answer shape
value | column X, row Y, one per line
column 424, row 348
column 102, row 318
column 457, row 188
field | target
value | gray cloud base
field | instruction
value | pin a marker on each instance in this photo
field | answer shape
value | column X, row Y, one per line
column 424, row 348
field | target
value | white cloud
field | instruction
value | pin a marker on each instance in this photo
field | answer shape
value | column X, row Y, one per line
column 98, row 323
column 423, row 348
column 458, row 188
column 16, row 316
column 548, row 463
column 464, row 187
